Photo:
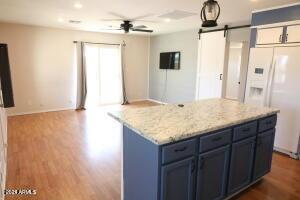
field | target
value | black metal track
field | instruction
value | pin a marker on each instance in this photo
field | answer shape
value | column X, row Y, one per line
column 225, row 29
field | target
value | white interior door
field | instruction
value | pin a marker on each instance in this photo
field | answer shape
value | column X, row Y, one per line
column 211, row 54
column 233, row 73
column 104, row 75
column 285, row 95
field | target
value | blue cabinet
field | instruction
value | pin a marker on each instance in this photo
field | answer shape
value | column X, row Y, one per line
column 178, row 180
column 241, row 164
column 212, row 174
column 263, row 154
column 212, row 166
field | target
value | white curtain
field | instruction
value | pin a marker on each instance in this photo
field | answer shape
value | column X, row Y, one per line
column 124, row 95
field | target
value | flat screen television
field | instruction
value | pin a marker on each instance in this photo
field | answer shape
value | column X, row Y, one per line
column 169, row 60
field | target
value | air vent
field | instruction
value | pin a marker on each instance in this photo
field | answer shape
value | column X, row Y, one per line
column 74, row 21
column 177, row 14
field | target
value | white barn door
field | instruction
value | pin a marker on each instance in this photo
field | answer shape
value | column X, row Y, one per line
column 211, row 56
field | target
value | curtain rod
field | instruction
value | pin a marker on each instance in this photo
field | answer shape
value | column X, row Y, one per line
column 225, row 29
column 101, row 43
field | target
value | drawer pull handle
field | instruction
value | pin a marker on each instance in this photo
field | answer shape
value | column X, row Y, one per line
column 217, row 139
column 202, row 163
column 193, row 166
column 180, row 150
column 259, row 142
column 246, row 129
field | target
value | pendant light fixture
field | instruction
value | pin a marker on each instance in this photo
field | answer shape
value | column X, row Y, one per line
column 210, row 13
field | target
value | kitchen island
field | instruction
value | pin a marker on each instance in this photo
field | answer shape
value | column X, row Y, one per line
column 204, row 150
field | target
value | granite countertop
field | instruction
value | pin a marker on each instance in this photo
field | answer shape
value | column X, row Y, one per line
column 168, row 123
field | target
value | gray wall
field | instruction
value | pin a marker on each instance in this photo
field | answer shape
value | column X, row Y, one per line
column 180, row 84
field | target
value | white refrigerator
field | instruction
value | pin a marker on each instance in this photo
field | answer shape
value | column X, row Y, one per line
column 274, row 80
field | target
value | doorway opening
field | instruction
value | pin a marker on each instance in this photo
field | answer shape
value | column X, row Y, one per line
column 104, row 75
column 236, row 70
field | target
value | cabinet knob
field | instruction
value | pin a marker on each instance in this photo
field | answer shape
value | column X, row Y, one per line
column 280, row 38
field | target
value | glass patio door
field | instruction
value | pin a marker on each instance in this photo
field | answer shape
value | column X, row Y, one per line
column 104, row 78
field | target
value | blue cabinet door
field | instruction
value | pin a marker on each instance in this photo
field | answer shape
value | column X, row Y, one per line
column 241, row 164
column 263, row 154
column 178, row 180
column 212, row 174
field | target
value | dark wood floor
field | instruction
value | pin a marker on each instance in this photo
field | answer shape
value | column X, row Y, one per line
column 73, row 155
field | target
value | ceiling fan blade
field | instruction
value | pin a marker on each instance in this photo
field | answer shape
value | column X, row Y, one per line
column 111, row 20
column 139, row 27
column 111, row 29
column 147, row 21
column 142, row 30
column 118, row 15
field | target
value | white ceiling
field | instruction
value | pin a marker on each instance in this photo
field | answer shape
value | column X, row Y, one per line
column 47, row 12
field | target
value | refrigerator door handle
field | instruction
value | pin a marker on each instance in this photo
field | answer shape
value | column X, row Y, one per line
column 270, row 83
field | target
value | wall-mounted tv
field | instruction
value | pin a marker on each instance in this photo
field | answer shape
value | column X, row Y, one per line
column 169, row 60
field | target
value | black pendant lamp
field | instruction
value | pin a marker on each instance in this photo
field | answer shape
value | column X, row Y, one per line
column 210, row 13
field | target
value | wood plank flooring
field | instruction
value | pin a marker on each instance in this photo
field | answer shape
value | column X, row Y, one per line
column 73, row 155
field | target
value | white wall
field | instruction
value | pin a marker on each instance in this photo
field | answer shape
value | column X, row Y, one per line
column 42, row 68
column 181, row 84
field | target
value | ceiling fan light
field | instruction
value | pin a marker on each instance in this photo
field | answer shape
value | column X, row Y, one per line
column 210, row 13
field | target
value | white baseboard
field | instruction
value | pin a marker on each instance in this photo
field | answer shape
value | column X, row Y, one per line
column 72, row 108
column 40, row 111
column 136, row 100
column 291, row 154
column 153, row 100
column 156, row 101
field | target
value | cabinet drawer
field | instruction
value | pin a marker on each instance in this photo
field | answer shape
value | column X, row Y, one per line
column 215, row 140
column 245, row 131
column 178, row 150
column 267, row 123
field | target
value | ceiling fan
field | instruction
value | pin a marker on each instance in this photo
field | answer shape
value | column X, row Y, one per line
column 127, row 23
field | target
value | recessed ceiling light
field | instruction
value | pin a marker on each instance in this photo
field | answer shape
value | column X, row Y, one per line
column 60, row 19
column 78, row 5
column 167, row 20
